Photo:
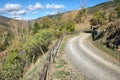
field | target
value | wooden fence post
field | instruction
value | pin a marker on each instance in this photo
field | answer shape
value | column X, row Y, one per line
column 51, row 53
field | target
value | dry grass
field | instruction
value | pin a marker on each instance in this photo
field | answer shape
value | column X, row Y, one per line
column 34, row 70
column 63, row 68
column 85, row 24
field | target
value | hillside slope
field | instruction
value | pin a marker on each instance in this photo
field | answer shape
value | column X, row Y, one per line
column 11, row 26
column 106, row 17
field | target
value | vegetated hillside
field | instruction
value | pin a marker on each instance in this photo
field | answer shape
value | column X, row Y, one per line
column 107, row 6
column 9, row 22
column 23, row 44
column 66, row 16
column 100, row 15
column 4, row 23
column 106, row 17
column 103, row 16
column 10, row 26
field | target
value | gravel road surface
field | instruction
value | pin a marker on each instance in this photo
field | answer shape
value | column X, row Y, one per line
column 90, row 60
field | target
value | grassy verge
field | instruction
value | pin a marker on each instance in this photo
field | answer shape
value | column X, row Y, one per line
column 63, row 68
column 103, row 47
column 60, row 70
column 33, row 72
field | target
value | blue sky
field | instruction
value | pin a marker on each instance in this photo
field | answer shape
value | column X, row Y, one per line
column 32, row 9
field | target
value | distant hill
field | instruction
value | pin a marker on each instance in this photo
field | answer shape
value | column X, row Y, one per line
column 4, row 22
column 4, row 19
column 65, row 16
column 11, row 24
column 107, row 7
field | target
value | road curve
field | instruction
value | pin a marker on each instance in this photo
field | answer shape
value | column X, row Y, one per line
column 90, row 61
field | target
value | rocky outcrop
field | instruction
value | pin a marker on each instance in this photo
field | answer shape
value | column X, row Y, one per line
column 111, row 35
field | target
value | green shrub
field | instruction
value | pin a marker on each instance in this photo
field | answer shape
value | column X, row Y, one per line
column 70, row 27
column 118, row 11
column 99, row 18
column 23, row 52
column 79, row 15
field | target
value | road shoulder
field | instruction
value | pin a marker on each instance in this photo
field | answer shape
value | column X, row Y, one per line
column 63, row 68
column 103, row 51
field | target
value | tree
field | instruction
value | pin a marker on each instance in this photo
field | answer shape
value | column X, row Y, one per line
column 35, row 28
column 98, row 18
column 45, row 22
column 80, row 15
column 7, row 40
column 118, row 11
column 112, row 16
column 70, row 27
column 30, row 28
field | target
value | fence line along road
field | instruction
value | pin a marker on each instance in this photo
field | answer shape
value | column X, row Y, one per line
column 51, row 56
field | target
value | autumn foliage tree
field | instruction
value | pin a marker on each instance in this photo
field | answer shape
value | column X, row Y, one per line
column 45, row 22
column 80, row 15
column 98, row 18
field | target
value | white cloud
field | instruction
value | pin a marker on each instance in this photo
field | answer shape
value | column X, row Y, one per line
column 12, row 7
column 20, row 12
column 2, row 11
column 35, row 12
column 17, row 11
column 17, row 17
column 37, row 6
column 14, row 10
column 55, row 6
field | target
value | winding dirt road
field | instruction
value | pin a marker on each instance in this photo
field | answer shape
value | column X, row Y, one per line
column 90, row 60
